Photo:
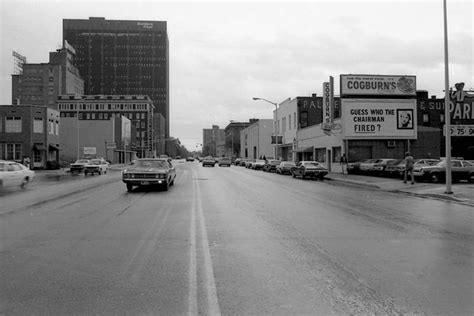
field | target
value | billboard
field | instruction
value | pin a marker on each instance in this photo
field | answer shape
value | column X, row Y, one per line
column 380, row 85
column 379, row 119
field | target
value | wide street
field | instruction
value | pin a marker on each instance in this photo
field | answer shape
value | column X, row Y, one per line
column 231, row 241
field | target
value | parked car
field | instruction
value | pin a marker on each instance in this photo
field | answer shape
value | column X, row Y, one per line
column 189, row 158
column 225, row 161
column 460, row 170
column 398, row 170
column 379, row 167
column 285, row 167
column 312, row 169
column 78, row 166
column 354, row 167
column 271, row 165
column 149, row 171
column 258, row 164
column 237, row 161
column 208, row 161
column 98, row 166
column 14, row 174
column 248, row 163
column 367, row 165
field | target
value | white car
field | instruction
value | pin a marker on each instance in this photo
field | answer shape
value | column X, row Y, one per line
column 98, row 165
column 14, row 174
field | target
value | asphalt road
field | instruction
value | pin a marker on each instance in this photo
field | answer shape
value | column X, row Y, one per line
column 231, row 241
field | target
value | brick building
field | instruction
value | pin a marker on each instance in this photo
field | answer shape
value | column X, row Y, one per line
column 30, row 131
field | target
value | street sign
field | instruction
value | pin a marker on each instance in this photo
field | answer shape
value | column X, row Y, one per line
column 90, row 150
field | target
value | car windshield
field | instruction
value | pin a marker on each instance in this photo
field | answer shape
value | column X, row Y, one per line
column 155, row 164
column 82, row 161
column 311, row 164
column 96, row 162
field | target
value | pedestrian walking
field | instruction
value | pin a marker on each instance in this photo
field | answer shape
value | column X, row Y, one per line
column 343, row 163
column 409, row 168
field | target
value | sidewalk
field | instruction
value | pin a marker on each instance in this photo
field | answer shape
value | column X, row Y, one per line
column 462, row 192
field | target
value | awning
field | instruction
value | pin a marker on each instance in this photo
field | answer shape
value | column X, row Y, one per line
column 53, row 147
column 39, row 147
column 303, row 150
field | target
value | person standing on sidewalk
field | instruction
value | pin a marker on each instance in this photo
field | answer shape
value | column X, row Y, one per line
column 343, row 162
column 409, row 168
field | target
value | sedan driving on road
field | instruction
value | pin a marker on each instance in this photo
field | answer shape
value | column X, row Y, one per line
column 78, row 166
column 98, row 166
column 14, row 174
column 312, row 169
column 149, row 171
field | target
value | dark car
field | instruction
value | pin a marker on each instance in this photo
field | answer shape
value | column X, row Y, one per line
column 149, row 171
column 78, row 166
column 189, row 158
column 285, row 167
column 460, row 170
column 311, row 169
column 271, row 165
column 209, row 161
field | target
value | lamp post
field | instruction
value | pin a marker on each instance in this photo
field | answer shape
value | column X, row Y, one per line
column 447, row 117
column 276, row 121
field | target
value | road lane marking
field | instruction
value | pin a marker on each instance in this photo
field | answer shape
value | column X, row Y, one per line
column 208, row 277
column 192, row 273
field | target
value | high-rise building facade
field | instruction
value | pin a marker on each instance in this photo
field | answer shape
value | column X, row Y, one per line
column 212, row 139
column 122, row 57
column 40, row 84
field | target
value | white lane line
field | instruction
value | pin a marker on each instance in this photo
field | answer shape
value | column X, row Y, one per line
column 192, row 274
column 208, row 277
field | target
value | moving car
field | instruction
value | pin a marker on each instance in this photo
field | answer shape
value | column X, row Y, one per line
column 78, row 166
column 271, row 165
column 312, row 169
column 149, row 171
column 14, row 174
column 224, row 161
column 208, row 161
column 460, row 170
column 98, row 165
column 285, row 167
column 189, row 158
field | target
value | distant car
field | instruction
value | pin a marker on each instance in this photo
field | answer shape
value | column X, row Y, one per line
column 460, row 170
column 224, row 161
column 14, row 174
column 237, row 161
column 367, row 166
column 311, row 169
column 208, row 161
column 78, row 166
column 258, row 164
column 395, row 168
column 271, row 165
column 285, row 167
column 189, row 158
column 98, row 166
column 149, row 171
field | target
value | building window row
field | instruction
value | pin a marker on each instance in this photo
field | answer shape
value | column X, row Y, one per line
column 12, row 124
column 97, row 106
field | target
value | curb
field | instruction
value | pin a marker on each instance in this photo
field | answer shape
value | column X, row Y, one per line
column 425, row 196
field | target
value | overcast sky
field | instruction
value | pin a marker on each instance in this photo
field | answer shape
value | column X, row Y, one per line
column 224, row 53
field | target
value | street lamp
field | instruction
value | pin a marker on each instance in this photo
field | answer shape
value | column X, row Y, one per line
column 276, row 120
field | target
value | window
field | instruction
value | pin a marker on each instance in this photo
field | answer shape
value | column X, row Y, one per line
column 283, row 124
column 14, row 152
column 441, row 118
column 426, row 118
column 38, row 125
column 289, row 122
column 336, row 154
column 13, row 125
column 51, row 127
column 320, row 154
column 37, row 156
column 294, row 120
column 56, row 124
column 304, row 119
column 1, row 126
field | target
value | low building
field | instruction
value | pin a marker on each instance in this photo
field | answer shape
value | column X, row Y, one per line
column 255, row 140
column 110, row 139
column 232, row 137
column 30, row 131
column 139, row 109
column 211, row 137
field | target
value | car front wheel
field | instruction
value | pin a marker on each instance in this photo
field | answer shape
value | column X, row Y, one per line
column 129, row 187
column 435, row 178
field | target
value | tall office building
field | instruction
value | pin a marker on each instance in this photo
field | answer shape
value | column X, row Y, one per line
column 122, row 57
